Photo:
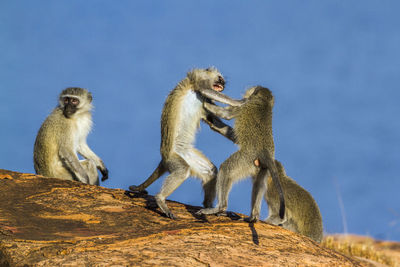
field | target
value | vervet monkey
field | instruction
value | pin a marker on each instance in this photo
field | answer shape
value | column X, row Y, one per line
column 302, row 213
column 180, row 119
column 253, row 131
column 63, row 135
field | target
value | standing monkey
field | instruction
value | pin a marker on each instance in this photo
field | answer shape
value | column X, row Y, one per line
column 253, row 131
column 180, row 119
column 63, row 135
column 302, row 213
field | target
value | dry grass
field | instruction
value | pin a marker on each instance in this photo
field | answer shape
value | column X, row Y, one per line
column 358, row 248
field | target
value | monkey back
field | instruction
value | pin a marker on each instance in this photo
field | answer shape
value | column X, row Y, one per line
column 253, row 125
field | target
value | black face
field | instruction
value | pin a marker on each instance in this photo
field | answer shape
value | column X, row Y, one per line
column 70, row 106
column 221, row 80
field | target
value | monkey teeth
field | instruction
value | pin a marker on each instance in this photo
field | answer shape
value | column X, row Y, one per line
column 218, row 87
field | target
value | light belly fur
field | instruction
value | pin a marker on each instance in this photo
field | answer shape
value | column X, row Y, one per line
column 191, row 113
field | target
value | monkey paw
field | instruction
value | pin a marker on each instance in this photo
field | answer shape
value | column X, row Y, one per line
column 164, row 208
column 136, row 189
column 104, row 172
column 251, row 219
column 170, row 215
column 209, row 211
column 275, row 220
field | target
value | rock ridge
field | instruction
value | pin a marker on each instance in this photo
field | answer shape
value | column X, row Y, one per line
column 52, row 222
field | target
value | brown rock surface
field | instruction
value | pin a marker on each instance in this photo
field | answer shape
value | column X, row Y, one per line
column 51, row 222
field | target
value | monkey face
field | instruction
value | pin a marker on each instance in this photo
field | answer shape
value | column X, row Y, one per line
column 209, row 78
column 70, row 106
column 75, row 100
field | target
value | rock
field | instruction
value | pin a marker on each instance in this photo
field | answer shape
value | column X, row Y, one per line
column 52, row 222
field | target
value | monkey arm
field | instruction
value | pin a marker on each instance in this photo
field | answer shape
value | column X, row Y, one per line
column 87, row 153
column 71, row 161
column 220, row 97
column 227, row 113
column 220, row 127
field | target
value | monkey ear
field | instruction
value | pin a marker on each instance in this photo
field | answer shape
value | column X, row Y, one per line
column 211, row 68
column 90, row 97
column 190, row 75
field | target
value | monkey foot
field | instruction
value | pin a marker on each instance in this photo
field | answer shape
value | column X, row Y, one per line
column 251, row 219
column 275, row 220
column 210, row 211
column 170, row 215
column 164, row 208
column 136, row 189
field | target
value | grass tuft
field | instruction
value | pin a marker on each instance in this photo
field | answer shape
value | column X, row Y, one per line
column 364, row 249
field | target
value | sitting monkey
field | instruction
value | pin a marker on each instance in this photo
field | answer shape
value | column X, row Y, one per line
column 302, row 214
column 62, row 137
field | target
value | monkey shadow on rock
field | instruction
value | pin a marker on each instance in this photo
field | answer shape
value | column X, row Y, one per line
column 151, row 204
column 203, row 218
column 150, row 200
column 254, row 234
column 193, row 210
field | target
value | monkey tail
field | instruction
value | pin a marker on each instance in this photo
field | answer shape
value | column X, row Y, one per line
column 269, row 163
column 160, row 170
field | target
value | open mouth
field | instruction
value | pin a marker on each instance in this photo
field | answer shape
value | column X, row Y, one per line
column 219, row 85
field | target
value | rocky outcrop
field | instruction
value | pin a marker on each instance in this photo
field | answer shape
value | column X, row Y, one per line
column 51, row 222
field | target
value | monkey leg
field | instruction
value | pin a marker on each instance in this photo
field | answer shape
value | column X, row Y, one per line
column 201, row 166
column 90, row 168
column 59, row 172
column 179, row 172
column 258, row 191
column 236, row 167
column 160, row 170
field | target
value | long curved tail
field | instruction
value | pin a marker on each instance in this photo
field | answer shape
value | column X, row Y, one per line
column 160, row 170
column 268, row 162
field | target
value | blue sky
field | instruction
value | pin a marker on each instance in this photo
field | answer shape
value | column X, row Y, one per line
column 333, row 67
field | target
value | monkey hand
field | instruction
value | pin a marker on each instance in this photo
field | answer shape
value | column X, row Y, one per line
column 209, row 120
column 243, row 101
column 104, row 172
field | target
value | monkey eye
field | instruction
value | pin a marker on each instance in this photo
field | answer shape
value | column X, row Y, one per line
column 74, row 101
column 66, row 100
